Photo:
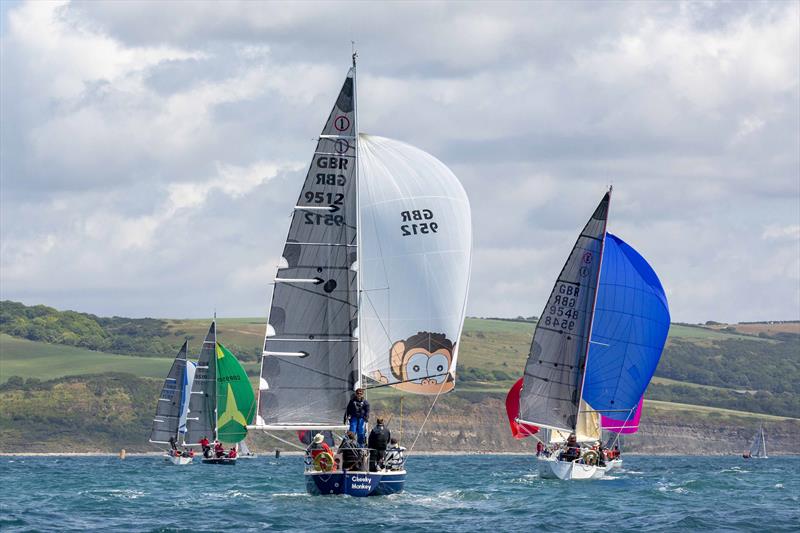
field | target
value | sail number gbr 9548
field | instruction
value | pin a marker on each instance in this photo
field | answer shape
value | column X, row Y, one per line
column 335, row 166
column 561, row 313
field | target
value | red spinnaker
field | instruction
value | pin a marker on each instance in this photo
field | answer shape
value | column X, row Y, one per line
column 519, row 431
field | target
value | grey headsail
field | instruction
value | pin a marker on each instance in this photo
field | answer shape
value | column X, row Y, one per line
column 550, row 394
column 310, row 359
column 759, row 446
column 201, row 421
column 170, row 404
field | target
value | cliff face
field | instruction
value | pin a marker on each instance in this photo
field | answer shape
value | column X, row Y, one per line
column 483, row 427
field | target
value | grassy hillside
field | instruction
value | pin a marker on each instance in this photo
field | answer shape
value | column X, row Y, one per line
column 29, row 359
column 754, row 368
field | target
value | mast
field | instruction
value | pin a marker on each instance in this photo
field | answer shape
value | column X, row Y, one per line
column 594, row 307
column 214, row 376
column 360, row 378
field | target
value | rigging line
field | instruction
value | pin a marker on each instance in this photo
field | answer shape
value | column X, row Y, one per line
column 408, row 381
column 426, row 418
column 284, row 440
column 313, row 370
column 380, row 321
column 619, row 433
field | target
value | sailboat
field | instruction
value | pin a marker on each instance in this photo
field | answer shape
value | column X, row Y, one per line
column 222, row 402
column 758, row 449
column 169, row 424
column 594, row 350
column 370, row 290
column 244, row 451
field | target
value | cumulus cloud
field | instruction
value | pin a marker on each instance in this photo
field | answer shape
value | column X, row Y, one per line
column 152, row 151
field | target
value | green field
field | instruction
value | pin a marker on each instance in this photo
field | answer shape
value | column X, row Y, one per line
column 29, row 359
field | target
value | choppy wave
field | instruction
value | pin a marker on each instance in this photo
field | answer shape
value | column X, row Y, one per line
column 443, row 494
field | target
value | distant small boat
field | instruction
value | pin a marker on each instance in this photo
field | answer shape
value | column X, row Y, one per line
column 169, row 424
column 222, row 401
column 245, row 453
column 758, row 449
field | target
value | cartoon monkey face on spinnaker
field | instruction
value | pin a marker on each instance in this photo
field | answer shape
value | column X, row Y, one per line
column 421, row 364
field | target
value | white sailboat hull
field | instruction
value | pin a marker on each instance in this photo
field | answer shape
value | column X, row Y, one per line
column 550, row 468
column 616, row 463
column 177, row 460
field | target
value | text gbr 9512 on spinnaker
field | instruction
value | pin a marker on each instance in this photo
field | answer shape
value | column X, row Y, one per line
column 595, row 348
column 370, row 290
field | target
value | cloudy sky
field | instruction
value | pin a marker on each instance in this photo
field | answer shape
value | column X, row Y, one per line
column 152, row 151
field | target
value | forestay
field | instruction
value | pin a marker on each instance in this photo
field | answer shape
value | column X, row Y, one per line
column 170, row 402
column 201, row 420
column 552, row 382
column 309, row 365
column 416, row 247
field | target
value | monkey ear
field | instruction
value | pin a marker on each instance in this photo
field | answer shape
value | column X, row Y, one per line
column 398, row 351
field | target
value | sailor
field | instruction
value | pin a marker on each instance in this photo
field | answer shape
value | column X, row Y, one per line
column 572, row 451
column 232, row 453
column 172, row 444
column 539, row 447
column 206, row 447
column 394, row 460
column 351, row 452
column 378, row 441
column 318, row 446
column 219, row 451
column 358, row 414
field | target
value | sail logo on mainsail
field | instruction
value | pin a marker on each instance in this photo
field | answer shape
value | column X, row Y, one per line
column 232, row 413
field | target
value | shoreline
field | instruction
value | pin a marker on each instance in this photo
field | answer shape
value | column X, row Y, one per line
column 271, row 454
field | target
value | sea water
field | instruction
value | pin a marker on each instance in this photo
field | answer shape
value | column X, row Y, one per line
column 443, row 493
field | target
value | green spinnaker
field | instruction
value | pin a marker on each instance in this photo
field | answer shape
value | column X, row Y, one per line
column 236, row 403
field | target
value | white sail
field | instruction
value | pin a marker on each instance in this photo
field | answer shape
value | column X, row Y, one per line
column 414, row 262
column 188, row 379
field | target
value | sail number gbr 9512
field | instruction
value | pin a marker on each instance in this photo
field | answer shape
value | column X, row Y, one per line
column 561, row 313
column 333, row 199
column 418, row 222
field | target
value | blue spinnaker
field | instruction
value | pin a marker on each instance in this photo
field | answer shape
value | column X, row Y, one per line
column 629, row 331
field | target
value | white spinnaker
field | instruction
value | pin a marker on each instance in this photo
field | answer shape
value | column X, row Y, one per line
column 415, row 258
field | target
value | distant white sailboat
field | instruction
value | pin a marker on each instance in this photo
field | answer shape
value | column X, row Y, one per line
column 758, row 449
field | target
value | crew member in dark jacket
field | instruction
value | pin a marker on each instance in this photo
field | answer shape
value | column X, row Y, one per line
column 351, row 452
column 358, row 413
column 377, row 443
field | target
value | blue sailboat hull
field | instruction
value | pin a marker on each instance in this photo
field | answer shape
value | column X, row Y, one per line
column 358, row 484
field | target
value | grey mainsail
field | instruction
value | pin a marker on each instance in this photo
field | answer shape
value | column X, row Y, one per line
column 310, row 360
column 759, row 446
column 551, row 389
column 170, row 405
column 201, row 420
